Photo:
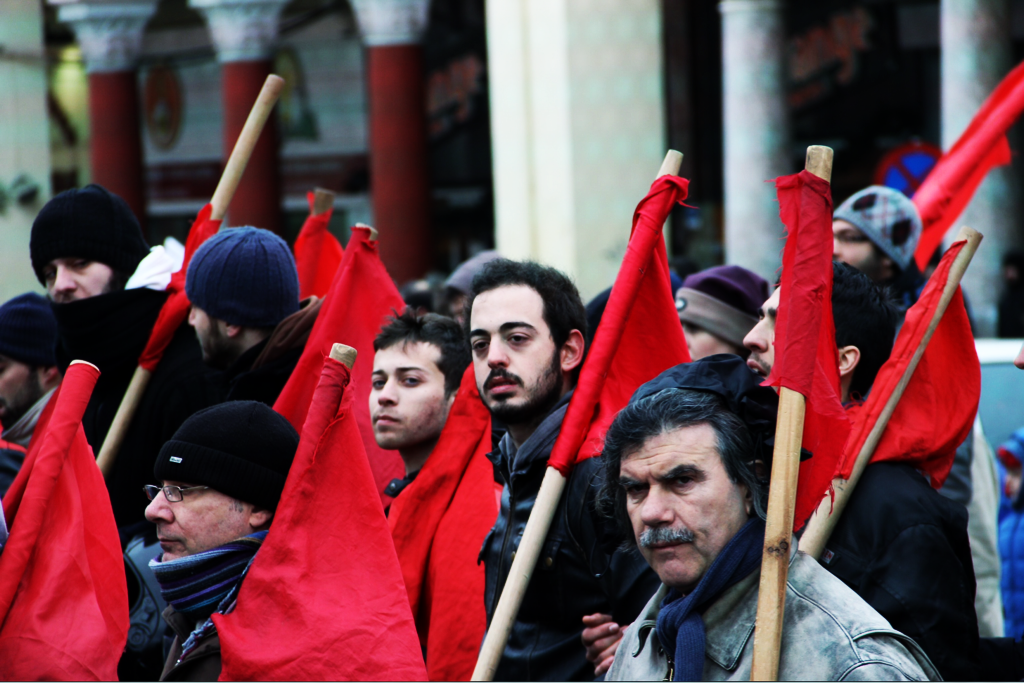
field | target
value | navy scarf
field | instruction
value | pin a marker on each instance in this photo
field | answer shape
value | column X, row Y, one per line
column 680, row 626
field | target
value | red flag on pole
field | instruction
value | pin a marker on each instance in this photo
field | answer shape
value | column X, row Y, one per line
column 317, row 253
column 806, row 359
column 175, row 308
column 361, row 298
column 937, row 409
column 438, row 525
column 63, row 593
column 949, row 187
column 640, row 331
column 324, row 598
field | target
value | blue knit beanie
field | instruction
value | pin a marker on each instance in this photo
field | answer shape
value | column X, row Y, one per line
column 244, row 276
column 28, row 331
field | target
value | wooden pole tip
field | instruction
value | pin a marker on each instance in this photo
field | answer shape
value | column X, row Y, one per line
column 345, row 355
column 670, row 166
column 970, row 234
column 323, row 200
column 819, row 161
column 85, row 362
column 373, row 230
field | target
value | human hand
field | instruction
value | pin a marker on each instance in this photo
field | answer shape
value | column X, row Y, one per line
column 601, row 638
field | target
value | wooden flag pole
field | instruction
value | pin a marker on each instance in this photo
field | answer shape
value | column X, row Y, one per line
column 789, row 430
column 536, row 531
column 221, row 198
column 825, row 518
column 345, row 355
column 323, row 201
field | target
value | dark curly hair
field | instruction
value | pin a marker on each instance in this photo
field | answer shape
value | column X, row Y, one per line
column 865, row 316
column 430, row 328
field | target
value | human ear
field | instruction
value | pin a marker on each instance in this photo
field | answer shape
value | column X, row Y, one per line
column 230, row 331
column 849, row 358
column 571, row 354
column 259, row 518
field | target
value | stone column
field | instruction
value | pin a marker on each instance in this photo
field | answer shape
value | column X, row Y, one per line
column 976, row 55
column 244, row 33
column 577, row 128
column 392, row 31
column 110, row 37
column 755, row 131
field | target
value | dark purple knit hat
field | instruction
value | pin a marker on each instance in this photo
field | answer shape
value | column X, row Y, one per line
column 723, row 300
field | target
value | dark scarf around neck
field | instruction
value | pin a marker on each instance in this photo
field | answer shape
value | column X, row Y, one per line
column 195, row 585
column 680, row 625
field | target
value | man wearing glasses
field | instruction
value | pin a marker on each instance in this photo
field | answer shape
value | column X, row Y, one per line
column 221, row 477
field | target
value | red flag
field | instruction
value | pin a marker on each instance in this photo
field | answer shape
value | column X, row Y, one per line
column 361, row 298
column 63, row 593
column 936, row 411
column 175, row 308
column 438, row 525
column 324, row 598
column 949, row 187
column 806, row 359
column 639, row 330
column 317, row 253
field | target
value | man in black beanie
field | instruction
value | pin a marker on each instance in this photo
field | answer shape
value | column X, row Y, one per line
column 87, row 248
column 221, row 477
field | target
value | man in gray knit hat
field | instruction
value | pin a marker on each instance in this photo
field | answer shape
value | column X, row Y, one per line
column 876, row 231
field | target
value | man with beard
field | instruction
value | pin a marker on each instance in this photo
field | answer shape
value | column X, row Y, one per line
column 244, row 290
column 526, row 325
column 28, row 376
column 106, row 289
column 899, row 544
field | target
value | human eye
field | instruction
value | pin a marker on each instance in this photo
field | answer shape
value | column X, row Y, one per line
column 377, row 383
column 411, row 381
column 479, row 345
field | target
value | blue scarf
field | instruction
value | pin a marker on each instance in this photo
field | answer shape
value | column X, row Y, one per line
column 680, row 626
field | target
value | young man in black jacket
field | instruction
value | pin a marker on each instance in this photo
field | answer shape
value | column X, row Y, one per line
column 899, row 544
column 526, row 325
column 106, row 290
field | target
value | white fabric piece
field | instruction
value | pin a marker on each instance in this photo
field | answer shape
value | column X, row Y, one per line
column 154, row 271
column 176, row 250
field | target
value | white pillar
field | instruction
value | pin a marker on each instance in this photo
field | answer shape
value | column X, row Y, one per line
column 976, row 55
column 24, row 139
column 242, row 30
column 109, row 34
column 577, row 128
column 755, row 131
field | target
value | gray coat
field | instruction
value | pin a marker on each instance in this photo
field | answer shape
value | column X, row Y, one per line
column 829, row 633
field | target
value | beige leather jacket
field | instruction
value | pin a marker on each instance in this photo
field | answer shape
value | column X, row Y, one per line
column 829, row 633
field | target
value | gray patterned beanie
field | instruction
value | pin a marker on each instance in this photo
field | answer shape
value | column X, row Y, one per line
column 888, row 218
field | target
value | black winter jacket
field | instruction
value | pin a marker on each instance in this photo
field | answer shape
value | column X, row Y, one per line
column 110, row 332
column 574, row 575
column 904, row 549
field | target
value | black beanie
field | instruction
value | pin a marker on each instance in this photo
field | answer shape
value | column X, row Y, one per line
column 90, row 223
column 240, row 448
column 28, row 331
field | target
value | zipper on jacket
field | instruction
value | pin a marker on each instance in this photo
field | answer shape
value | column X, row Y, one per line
column 671, row 668
column 504, row 547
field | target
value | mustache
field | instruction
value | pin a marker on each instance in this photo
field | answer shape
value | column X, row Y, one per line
column 504, row 374
column 663, row 535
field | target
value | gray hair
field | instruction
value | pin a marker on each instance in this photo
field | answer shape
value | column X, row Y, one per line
column 667, row 411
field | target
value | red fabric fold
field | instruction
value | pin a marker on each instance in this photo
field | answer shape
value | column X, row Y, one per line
column 324, row 599
column 359, row 302
column 175, row 308
column 937, row 409
column 317, row 253
column 949, row 187
column 806, row 358
column 639, row 330
column 438, row 525
column 63, row 592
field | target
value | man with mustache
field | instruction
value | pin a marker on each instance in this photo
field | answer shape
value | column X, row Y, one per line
column 685, row 464
column 526, row 325
column 899, row 544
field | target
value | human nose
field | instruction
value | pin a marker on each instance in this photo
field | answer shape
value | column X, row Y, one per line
column 63, row 280
column 387, row 395
column 159, row 510
column 192, row 316
column 656, row 510
column 496, row 355
column 836, row 248
column 1019, row 360
column 756, row 339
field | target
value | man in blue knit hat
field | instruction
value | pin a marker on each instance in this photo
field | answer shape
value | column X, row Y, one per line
column 244, row 290
column 28, row 376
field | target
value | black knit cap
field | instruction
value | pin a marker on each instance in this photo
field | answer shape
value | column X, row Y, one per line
column 91, row 223
column 240, row 448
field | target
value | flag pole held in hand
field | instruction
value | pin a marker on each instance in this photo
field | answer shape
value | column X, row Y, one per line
column 824, row 520
column 229, row 180
column 536, row 531
column 789, row 430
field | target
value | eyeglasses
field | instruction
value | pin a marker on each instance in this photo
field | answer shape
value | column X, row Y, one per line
column 173, row 494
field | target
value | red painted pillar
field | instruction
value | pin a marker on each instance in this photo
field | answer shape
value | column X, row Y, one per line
column 257, row 200
column 116, row 137
column 399, row 181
